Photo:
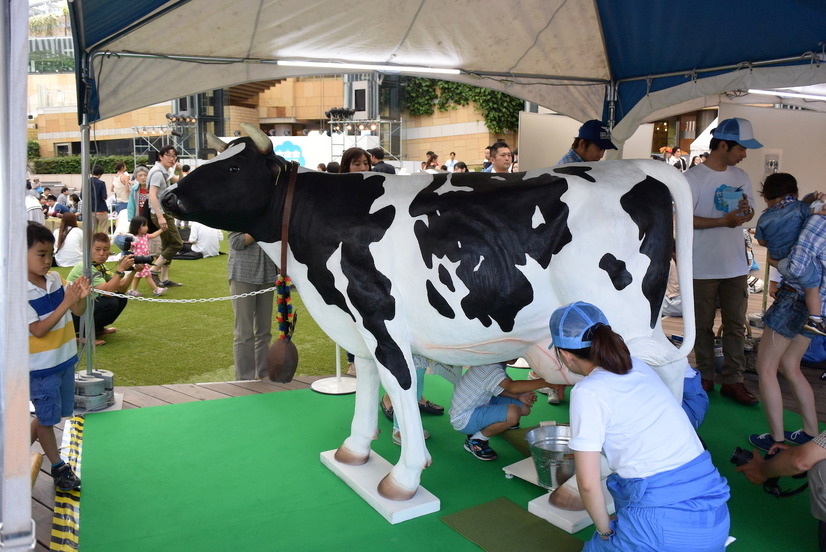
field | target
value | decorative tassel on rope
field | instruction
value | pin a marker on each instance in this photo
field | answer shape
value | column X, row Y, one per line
column 285, row 316
column 282, row 358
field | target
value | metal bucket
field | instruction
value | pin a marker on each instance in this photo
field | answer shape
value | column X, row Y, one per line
column 553, row 459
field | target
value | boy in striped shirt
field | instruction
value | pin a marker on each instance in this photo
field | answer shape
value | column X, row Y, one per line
column 52, row 347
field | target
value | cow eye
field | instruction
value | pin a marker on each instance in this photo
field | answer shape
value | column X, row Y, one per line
column 234, row 169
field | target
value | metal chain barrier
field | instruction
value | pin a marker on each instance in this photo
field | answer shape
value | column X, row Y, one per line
column 202, row 300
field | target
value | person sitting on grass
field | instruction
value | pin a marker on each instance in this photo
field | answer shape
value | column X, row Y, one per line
column 52, row 347
column 139, row 228
column 107, row 307
column 486, row 402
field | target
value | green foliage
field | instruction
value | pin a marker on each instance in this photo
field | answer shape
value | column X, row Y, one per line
column 46, row 61
column 499, row 110
column 32, row 149
column 419, row 95
column 44, row 25
column 161, row 343
column 71, row 164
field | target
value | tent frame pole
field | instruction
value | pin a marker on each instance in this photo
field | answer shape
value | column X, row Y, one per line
column 17, row 528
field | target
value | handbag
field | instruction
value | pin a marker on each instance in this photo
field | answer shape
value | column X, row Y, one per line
column 146, row 212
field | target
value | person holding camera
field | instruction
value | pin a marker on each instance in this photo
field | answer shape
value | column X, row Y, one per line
column 138, row 245
column 790, row 460
column 107, row 308
column 668, row 494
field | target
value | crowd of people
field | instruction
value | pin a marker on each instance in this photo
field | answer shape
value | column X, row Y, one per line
column 665, row 487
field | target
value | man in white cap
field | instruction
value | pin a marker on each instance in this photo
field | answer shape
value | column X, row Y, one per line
column 590, row 143
column 723, row 202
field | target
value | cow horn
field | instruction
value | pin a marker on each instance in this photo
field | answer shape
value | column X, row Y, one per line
column 215, row 142
column 259, row 137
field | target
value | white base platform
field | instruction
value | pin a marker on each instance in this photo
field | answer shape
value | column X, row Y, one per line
column 334, row 386
column 364, row 480
column 564, row 519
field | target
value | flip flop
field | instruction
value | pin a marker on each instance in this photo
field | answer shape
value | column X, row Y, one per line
column 387, row 411
column 108, row 331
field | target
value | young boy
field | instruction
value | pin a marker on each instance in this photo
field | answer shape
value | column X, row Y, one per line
column 52, row 347
column 778, row 229
column 486, row 402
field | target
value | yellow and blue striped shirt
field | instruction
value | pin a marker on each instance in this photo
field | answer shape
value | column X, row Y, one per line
column 57, row 350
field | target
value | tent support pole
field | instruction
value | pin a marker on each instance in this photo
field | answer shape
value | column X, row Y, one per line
column 89, row 224
column 17, row 531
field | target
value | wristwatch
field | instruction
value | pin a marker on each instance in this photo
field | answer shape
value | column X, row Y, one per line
column 605, row 535
column 120, row 273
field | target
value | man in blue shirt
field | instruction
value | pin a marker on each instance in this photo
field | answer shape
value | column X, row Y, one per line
column 590, row 144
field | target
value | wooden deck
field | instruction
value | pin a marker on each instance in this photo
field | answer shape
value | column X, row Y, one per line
column 156, row 395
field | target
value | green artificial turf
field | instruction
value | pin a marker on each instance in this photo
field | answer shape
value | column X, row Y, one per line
column 244, row 474
column 161, row 343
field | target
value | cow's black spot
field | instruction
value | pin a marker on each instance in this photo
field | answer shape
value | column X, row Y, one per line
column 492, row 219
column 438, row 302
column 616, row 270
column 444, row 277
column 576, row 170
column 649, row 205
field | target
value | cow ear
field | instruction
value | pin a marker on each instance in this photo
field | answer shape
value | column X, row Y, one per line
column 215, row 142
column 261, row 140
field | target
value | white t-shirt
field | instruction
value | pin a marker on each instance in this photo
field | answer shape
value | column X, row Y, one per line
column 71, row 253
column 718, row 252
column 634, row 419
column 205, row 239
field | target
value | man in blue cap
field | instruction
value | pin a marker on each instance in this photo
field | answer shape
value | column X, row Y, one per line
column 590, row 144
column 723, row 202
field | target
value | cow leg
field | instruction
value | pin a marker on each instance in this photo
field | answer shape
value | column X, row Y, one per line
column 403, row 480
column 356, row 448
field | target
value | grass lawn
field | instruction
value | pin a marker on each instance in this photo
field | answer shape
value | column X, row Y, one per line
column 163, row 343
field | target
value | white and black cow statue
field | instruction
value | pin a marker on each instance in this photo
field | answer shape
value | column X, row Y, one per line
column 462, row 268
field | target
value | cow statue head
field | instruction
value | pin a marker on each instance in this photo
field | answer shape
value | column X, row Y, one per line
column 236, row 190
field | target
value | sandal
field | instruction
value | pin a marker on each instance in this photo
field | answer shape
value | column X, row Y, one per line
column 431, row 408
column 388, row 410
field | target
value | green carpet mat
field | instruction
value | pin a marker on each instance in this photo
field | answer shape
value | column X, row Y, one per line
column 503, row 526
column 244, row 474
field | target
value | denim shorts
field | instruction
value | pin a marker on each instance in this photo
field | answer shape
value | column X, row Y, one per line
column 53, row 396
column 496, row 411
column 787, row 314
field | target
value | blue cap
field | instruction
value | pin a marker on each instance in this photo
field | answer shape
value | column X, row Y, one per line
column 570, row 324
column 596, row 132
column 739, row 130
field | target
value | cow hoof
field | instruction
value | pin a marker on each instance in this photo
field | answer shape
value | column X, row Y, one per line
column 391, row 490
column 347, row 456
column 566, row 499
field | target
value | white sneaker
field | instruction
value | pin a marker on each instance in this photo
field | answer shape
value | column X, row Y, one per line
column 553, row 396
column 544, row 390
column 159, row 291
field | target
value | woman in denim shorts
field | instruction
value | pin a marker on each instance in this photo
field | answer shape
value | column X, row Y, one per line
column 782, row 346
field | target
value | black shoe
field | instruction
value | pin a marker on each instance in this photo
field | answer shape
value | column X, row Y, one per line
column 169, row 284
column 65, row 478
column 431, row 408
